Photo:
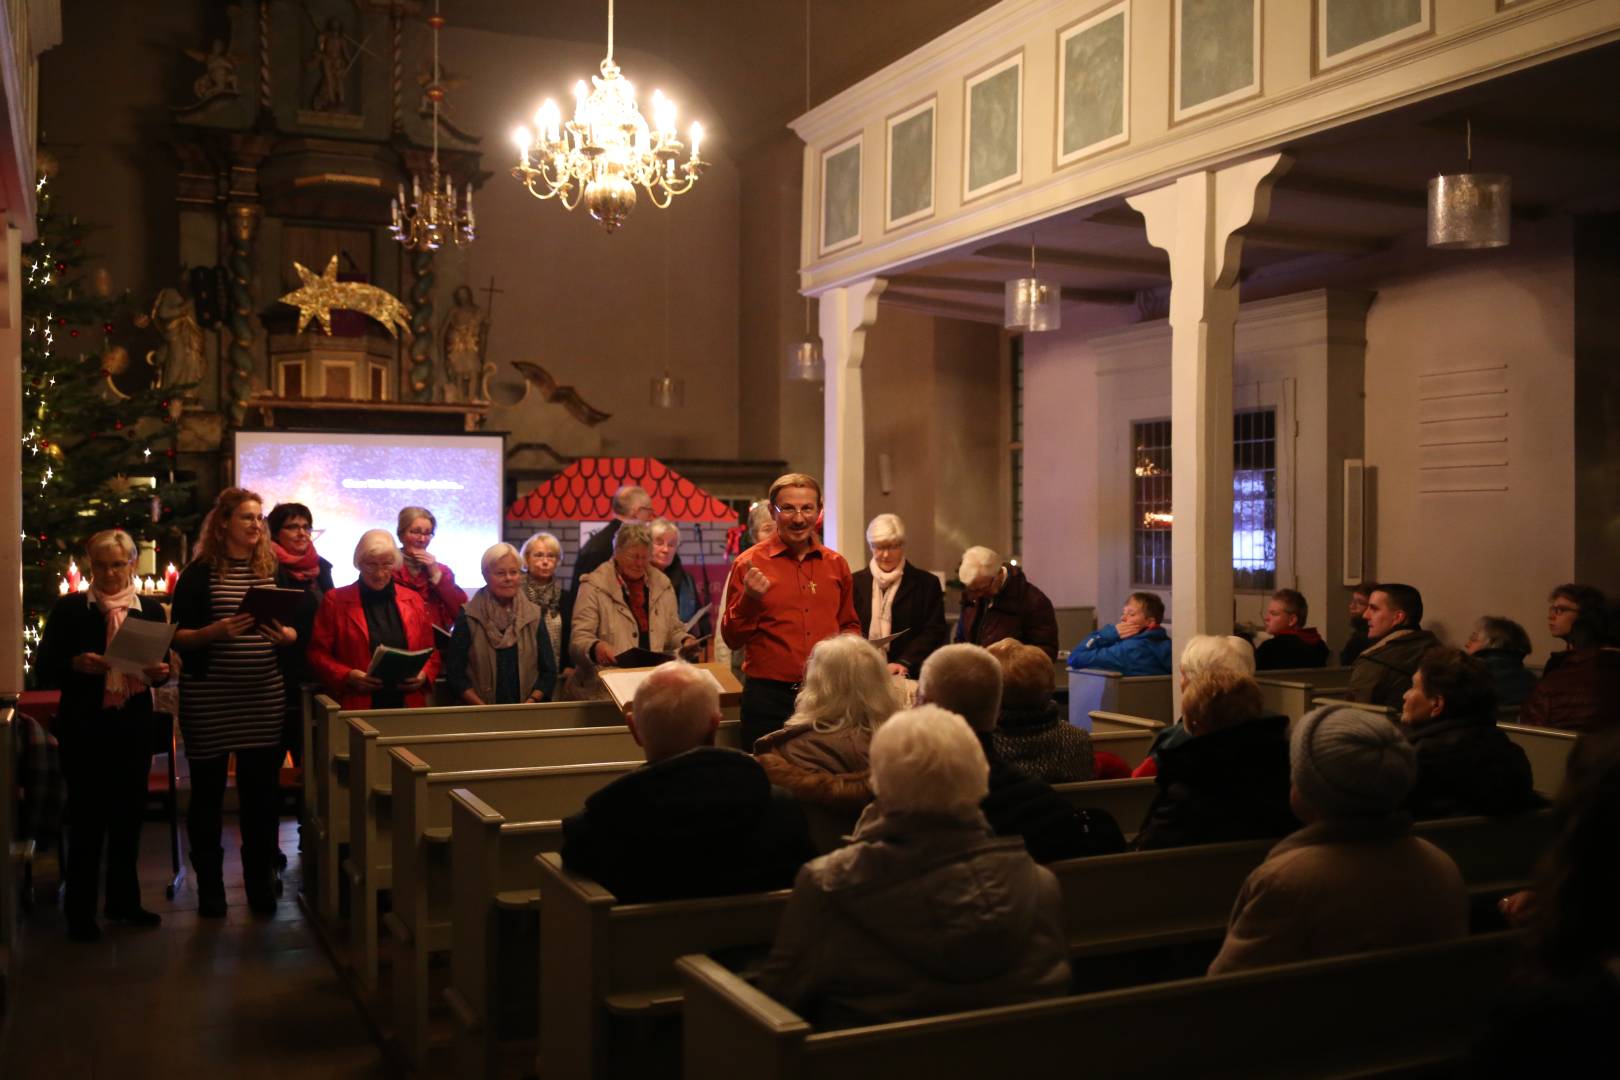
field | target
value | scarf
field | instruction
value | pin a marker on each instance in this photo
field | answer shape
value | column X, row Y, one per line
column 884, row 587
column 547, row 596
column 301, row 568
column 120, row 687
column 635, row 595
column 496, row 621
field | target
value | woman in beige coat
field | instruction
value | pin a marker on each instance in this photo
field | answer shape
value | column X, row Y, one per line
column 623, row 604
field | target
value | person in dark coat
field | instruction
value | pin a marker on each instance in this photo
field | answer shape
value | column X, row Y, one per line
column 1292, row 644
column 1580, row 687
column 966, row 680
column 696, row 820
column 1358, row 640
column 909, row 599
column 1033, row 732
column 631, row 505
column 1382, row 673
column 104, row 724
column 999, row 602
column 1466, row 764
column 1501, row 645
column 292, row 538
column 925, row 911
column 1229, row 780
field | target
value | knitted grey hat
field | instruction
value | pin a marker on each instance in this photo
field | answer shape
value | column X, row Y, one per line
column 1348, row 762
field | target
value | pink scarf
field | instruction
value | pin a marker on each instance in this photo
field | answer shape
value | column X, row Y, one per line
column 120, row 687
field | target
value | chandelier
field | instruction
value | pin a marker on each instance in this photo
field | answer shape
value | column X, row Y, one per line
column 434, row 215
column 607, row 150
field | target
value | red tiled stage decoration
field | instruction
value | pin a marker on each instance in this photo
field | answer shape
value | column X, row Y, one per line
column 584, row 492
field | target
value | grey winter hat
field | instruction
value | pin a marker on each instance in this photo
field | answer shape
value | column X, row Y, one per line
column 1348, row 762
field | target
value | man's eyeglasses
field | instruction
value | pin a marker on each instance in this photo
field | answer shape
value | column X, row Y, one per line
column 1563, row 609
column 798, row 512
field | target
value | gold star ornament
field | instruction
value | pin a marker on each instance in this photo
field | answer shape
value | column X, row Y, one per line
column 317, row 296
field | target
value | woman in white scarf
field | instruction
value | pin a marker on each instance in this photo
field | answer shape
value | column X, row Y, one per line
column 894, row 597
column 104, row 724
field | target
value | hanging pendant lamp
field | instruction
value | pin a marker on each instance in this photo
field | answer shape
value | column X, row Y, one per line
column 804, row 362
column 1468, row 210
column 1033, row 305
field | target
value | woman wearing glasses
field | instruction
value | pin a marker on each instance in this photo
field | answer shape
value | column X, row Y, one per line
column 420, row 572
column 292, row 538
column 233, row 671
column 1581, row 684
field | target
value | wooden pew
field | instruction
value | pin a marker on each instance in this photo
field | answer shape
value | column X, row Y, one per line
column 1130, row 745
column 420, row 921
column 1322, row 1018
column 368, row 866
column 326, row 763
column 1548, row 750
column 1288, row 692
column 1103, row 721
column 1126, row 801
column 1092, row 690
column 603, row 959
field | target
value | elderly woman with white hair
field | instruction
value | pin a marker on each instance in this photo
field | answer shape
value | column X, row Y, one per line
column 666, row 556
column 894, row 597
column 1203, row 655
column 541, row 555
column 500, row 653
column 925, row 911
column 624, row 604
column 355, row 619
column 104, row 725
column 999, row 602
column 820, row 755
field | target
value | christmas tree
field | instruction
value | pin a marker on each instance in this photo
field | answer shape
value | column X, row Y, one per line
column 94, row 456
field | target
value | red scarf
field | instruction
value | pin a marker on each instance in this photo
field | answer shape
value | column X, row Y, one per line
column 303, row 568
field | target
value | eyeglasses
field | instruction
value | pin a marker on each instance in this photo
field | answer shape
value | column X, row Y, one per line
column 419, row 534
column 377, row 564
column 800, row 513
column 1563, row 609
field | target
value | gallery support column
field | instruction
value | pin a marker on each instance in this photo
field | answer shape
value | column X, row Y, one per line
column 244, row 229
column 11, row 423
column 846, row 314
column 1196, row 220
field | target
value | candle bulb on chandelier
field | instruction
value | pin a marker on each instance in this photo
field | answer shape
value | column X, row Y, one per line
column 697, row 138
column 521, row 137
column 549, row 119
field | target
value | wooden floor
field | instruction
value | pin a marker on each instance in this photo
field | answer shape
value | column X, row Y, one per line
column 241, row 997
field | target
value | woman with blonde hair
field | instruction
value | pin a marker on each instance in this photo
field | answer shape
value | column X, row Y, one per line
column 232, row 680
column 500, row 653
column 820, row 754
column 541, row 554
column 103, row 724
column 1204, row 654
column 421, row 572
column 1033, row 733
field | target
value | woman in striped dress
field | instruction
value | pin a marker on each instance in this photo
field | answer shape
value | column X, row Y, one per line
column 231, row 698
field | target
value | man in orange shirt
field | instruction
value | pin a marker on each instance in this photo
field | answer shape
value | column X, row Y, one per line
column 785, row 594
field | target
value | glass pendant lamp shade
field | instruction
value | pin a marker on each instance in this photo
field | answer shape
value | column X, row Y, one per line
column 1470, row 211
column 1033, row 305
column 804, row 361
column 667, row 393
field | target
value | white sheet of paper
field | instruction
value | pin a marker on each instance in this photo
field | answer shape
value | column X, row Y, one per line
column 627, row 681
column 686, row 627
column 879, row 642
column 139, row 644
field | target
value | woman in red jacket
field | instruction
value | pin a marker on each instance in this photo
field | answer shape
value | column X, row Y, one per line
column 357, row 618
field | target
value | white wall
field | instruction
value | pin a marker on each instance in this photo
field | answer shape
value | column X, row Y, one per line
column 1503, row 323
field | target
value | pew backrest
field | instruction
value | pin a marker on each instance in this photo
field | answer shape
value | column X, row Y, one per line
column 1130, row 745
column 1102, row 721
column 1074, row 625
column 1323, row 1018
column 1126, row 801
column 1548, row 750
column 1093, row 690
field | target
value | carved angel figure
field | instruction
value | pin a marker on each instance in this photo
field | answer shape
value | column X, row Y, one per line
column 219, row 72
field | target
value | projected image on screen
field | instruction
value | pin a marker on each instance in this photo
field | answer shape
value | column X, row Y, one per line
column 352, row 483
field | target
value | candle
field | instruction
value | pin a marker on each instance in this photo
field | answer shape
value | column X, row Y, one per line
column 169, row 577
column 62, row 587
column 521, row 137
column 73, row 577
column 697, row 138
column 84, row 585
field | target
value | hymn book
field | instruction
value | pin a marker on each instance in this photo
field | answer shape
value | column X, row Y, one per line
column 393, row 666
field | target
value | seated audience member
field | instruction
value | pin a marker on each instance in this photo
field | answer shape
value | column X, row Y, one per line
column 1581, row 685
column 1354, row 878
column 1203, row 654
column 819, row 756
column 966, row 680
column 1292, row 644
column 1558, row 1020
column 1466, row 764
column 624, row 604
column 1136, row 645
column 420, row 571
column 1358, row 624
column 1033, row 732
column 355, row 619
column 697, row 819
column 1501, row 645
column 999, row 602
column 1229, row 779
column 925, row 911
column 892, row 595
column 1382, row 673
column 500, row 652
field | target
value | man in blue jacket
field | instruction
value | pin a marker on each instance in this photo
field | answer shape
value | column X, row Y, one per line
column 1136, row 645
